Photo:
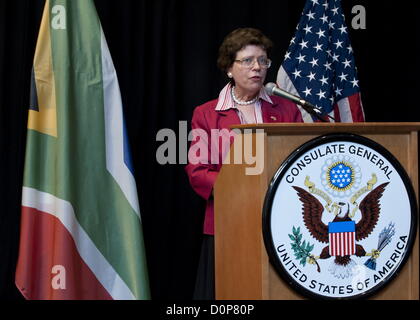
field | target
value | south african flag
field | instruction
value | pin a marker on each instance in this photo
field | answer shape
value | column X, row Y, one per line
column 81, row 231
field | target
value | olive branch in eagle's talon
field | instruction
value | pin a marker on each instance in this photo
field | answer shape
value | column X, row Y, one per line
column 303, row 249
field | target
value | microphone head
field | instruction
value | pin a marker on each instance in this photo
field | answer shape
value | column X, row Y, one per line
column 270, row 87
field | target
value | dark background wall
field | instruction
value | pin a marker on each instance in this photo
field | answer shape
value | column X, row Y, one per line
column 165, row 54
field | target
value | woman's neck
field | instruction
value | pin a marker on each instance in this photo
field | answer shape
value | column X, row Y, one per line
column 244, row 96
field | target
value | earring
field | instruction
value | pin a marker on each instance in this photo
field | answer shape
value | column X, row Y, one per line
column 230, row 75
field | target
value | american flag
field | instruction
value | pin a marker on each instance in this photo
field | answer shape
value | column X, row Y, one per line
column 342, row 236
column 319, row 65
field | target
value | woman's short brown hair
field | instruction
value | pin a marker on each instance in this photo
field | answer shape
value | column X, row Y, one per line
column 237, row 40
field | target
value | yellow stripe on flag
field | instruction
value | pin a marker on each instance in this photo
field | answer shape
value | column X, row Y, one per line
column 44, row 120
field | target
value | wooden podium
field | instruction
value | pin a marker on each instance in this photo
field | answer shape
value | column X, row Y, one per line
column 243, row 270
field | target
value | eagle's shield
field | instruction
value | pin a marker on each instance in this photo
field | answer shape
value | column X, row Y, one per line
column 342, row 238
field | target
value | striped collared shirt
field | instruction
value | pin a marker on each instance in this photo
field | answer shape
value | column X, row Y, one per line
column 247, row 114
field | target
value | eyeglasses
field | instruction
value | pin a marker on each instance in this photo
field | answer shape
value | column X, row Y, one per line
column 250, row 61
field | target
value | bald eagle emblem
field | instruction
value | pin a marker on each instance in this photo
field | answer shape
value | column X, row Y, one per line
column 342, row 234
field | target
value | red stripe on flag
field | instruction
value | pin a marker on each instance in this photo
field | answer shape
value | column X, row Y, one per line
column 350, row 249
column 345, row 247
column 49, row 244
column 343, row 240
column 337, row 244
column 356, row 108
column 331, row 244
column 348, row 243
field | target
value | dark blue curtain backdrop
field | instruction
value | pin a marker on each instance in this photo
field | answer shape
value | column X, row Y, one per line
column 165, row 54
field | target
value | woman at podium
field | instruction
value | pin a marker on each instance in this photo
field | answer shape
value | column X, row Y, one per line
column 244, row 59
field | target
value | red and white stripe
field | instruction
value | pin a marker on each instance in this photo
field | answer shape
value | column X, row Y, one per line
column 342, row 244
column 349, row 109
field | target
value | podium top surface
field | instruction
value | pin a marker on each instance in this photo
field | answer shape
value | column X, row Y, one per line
column 330, row 127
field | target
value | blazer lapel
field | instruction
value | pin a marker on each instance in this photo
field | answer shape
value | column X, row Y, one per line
column 227, row 118
column 270, row 112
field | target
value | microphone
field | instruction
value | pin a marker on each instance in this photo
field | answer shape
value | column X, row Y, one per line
column 272, row 89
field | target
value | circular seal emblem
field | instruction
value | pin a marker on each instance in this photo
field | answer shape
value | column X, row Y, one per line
column 339, row 218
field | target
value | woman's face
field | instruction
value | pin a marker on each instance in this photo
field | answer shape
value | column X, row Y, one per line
column 249, row 79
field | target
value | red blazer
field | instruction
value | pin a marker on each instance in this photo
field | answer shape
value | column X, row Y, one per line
column 202, row 176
